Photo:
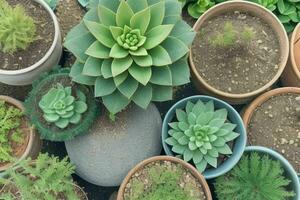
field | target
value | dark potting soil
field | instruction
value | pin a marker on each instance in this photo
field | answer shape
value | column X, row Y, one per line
column 276, row 124
column 242, row 67
column 43, row 39
column 142, row 178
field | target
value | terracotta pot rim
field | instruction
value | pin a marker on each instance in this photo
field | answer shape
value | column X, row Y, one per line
column 263, row 98
column 292, row 55
column 186, row 165
column 32, row 131
column 285, row 54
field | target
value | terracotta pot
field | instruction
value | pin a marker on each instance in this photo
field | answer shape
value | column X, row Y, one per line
column 247, row 114
column 34, row 142
column 291, row 74
column 186, row 165
column 255, row 10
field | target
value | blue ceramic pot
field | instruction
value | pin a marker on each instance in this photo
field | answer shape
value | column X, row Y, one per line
column 233, row 116
column 290, row 172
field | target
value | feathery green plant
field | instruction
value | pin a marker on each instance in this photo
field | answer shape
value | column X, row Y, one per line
column 255, row 177
column 61, row 107
column 200, row 134
column 45, row 178
column 164, row 185
column 131, row 51
column 229, row 37
column 69, row 121
column 10, row 121
column 17, row 29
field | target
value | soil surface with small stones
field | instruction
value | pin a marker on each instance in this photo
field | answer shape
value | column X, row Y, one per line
column 239, row 68
column 276, row 124
column 43, row 39
column 196, row 189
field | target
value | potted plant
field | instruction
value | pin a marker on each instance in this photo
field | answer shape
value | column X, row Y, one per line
column 30, row 41
column 272, row 120
column 131, row 53
column 260, row 174
column 291, row 74
column 45, row 178
column 206, row 132
column 59, row 108
column 240, row 50
column 164, row 177
column 18, row 140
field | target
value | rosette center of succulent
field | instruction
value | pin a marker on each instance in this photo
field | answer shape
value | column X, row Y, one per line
column 60, row 104
column 200, row 133
column 131, row 39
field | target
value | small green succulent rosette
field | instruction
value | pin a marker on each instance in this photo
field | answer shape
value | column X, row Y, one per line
column 59, row 108
column 131, row 51
column 197, row 8
column 201, row 134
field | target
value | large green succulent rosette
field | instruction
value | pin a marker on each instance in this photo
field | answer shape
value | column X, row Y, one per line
column 131, row 51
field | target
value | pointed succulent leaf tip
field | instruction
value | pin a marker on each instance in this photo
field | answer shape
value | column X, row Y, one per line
column 61, row 108
column 17, row 29
column 132, row 50
column 201, row 129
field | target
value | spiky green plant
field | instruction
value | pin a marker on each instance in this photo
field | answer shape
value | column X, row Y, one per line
column 131, row 51
column 164, row 184
column 200, row 134
column 17, row 29
column 46, row 178
column 255, row 177
column 197, row 8
column 10, row 121
column 61, row 107
column 230, row 37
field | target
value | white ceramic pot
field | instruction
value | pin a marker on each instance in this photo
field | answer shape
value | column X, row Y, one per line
column 27, row 75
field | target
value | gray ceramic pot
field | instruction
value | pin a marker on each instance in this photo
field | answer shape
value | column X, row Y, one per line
column 105, row 155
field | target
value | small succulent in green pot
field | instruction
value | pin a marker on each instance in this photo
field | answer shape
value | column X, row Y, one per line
column 61, row 108
column 131, row 51
column 17, row 29
column 200, row 133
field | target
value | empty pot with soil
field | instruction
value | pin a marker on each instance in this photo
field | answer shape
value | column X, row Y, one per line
column 291, row 73
column 164, row 177
column 260, row 174
column 30, row 40
column 273, row 120
column 240, row 50
column 205, row 132
column 18, row 139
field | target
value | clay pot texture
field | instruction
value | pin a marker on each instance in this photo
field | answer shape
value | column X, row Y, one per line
column 187, row 166
column 290, row 173
column 27, row 75
column 255, row 10
column 110, row 149
column 291, row 74
column 34, row 143
column 233, row 116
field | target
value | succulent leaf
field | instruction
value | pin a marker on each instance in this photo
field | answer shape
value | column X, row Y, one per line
column 200, row 133
column 134, row 45
column 60, row 107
